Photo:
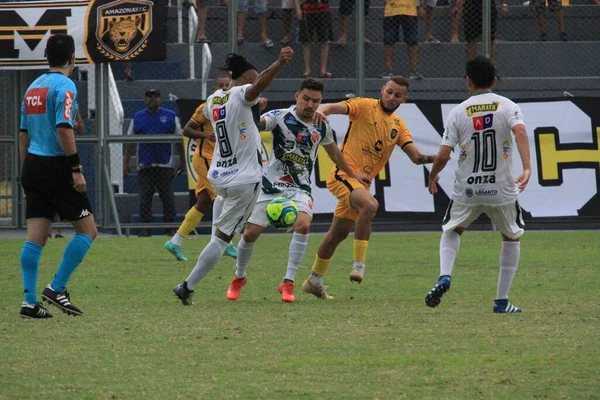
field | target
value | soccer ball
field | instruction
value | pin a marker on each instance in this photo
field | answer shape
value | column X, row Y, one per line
column 282, row 212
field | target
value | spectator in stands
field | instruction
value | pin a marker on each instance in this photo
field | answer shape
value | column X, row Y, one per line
column 128, row 74
column 287, row 9
column 315, row 21
column 261, row 12
column 346, row 11
column 200, row 7
column 538, row 7
column 472, row 16
column 456, row 13
column 426, row 11
column 401, row 13
column 155, row 160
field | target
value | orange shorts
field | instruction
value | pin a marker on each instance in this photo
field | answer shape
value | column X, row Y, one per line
column 341, row 187
column 201, row 166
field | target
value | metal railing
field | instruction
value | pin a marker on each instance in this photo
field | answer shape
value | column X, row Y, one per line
column 206, row 64
column 192, row 26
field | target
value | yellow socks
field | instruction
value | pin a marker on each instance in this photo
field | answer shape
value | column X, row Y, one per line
column 359, row 250
column 320, row 266
column 191, row 221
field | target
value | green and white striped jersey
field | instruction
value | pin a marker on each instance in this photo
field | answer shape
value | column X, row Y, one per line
column 294, row 152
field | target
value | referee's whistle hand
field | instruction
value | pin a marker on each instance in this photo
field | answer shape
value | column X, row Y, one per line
column 79, row 182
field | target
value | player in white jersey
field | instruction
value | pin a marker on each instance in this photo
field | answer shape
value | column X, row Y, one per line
column 296, row 140
column 482, row 128
column 236, row 168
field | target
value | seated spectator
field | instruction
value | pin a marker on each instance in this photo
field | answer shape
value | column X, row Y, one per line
column 315, row 22
column 156, row 169
column 401, row 13
column 538, row 7
column 346, row 11
column 261, row 12
column 127, row 73
column 426, row 11
column 472, row 16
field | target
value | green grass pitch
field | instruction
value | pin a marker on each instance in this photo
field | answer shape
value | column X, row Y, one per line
column 376, row 340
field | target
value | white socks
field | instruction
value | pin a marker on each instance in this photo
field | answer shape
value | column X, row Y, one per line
column 207, row 260
column 509, row 262
column 245, row 251
column 177, row 239
column 449, row 245
column 296, row 254
column 316, row 278
column 216, row 211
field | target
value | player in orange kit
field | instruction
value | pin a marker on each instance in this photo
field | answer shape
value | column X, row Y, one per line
column 373, row 134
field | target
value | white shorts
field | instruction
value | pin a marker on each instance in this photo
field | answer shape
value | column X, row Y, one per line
column 238, row 202
column 303, row 201
column 288, row 4
column 508, row 218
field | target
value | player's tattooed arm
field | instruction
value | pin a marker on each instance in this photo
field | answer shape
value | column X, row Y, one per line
column 412, row 151
column 425, row 159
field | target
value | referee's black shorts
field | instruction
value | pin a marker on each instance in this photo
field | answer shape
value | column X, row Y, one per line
column 48, row 186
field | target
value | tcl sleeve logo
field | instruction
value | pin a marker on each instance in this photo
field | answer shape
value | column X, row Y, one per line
column 35, row 101
column 68, row 106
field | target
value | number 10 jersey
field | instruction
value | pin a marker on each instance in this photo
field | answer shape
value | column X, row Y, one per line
column 481, row 127
column 236, row 159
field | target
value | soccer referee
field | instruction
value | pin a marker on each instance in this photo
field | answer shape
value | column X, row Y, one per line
column 52, row 178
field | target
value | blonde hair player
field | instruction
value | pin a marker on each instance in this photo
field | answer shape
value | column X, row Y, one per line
column 374, row 132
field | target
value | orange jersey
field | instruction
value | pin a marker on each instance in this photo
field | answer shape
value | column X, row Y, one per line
column 204, row 147
column 400, row 7
column 372, row 136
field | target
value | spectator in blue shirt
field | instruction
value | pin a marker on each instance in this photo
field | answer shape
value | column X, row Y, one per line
column 156, row 165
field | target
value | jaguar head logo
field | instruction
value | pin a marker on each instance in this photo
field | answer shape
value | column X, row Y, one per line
column 122, row 32
column 123, row 27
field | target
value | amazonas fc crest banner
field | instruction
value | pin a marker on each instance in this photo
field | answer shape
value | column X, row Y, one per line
column 104, row 30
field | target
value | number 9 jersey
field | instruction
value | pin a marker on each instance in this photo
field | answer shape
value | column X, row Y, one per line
column 236, row 159
column 481, row 127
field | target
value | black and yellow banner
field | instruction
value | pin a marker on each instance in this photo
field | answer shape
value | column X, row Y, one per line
column 104, row 30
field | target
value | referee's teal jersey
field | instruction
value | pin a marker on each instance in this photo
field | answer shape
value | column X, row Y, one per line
column 50, row 101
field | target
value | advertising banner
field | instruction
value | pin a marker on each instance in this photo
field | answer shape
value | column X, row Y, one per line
column 103, row 30
column 565, row 159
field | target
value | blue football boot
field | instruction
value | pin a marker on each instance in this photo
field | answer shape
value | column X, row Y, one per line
column 505, row 306
column 434, row 297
